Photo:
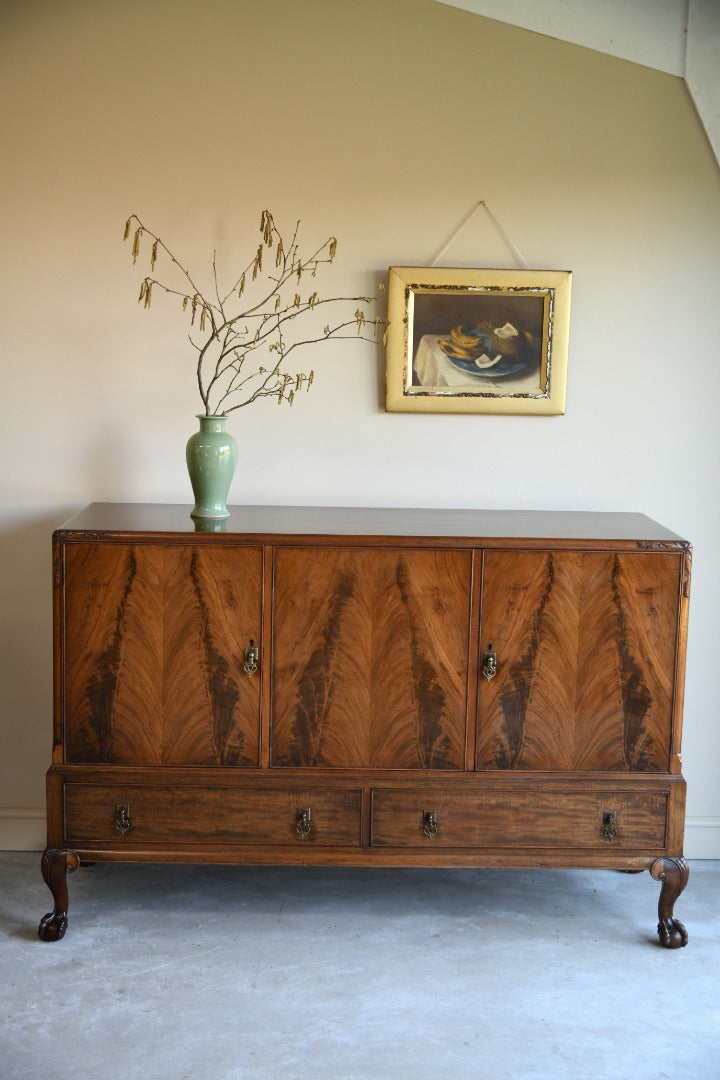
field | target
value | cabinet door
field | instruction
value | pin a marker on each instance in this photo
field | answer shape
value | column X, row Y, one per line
column 586, row 656
column 153, row 653
column 370, row 658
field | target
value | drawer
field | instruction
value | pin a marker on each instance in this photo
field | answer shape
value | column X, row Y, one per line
column 188, row 813
column 508, row 819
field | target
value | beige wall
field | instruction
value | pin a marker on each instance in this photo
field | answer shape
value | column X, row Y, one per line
column 383, row 123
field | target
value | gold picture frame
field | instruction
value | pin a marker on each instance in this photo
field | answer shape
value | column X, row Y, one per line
column 477, row 341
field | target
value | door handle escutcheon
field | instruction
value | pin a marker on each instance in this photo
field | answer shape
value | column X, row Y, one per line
column 252, row 657
column 489, row 668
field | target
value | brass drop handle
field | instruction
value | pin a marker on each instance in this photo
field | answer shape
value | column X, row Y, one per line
column 489, row 668
column 430, row 824
column 609, row 829
column 303, row 824
column 252, row 657
column 122, row 819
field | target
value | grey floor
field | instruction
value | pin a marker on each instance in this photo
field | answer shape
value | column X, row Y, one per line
column 223, row 973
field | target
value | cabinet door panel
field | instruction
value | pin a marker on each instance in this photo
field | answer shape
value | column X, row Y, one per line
column 370, row 658
column 585, row 646
column 154, row 640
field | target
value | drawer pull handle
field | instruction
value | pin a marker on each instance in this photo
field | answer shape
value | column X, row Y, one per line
column 609, row 829
column 122, row 819
column 489, row 669
column 430, row 824
column 251, row 659
column 303, row 825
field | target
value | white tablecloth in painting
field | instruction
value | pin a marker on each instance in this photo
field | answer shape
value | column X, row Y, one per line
column 433, row 368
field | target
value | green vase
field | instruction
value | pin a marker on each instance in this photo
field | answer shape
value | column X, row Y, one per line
column 211, row 456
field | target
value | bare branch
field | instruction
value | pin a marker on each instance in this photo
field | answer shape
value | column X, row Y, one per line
column 231, row 335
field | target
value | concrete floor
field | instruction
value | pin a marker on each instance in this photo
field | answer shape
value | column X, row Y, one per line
column 226, row 973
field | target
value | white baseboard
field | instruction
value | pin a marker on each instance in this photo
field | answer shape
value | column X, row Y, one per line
column 23, row 829
column 702, row 838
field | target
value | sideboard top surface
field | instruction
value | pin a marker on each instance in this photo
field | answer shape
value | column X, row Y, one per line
column 310, row 521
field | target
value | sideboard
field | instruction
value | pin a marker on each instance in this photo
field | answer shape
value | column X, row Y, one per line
column 368, row 687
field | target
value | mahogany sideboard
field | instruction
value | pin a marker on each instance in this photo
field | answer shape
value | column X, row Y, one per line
column 368, row 687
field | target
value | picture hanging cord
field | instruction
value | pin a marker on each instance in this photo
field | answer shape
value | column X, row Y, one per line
column 498, row 226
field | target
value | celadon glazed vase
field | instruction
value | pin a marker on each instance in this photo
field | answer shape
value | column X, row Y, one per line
column 211, row 456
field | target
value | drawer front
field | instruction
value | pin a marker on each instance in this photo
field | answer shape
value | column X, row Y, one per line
column 604, row 820
column 136, row 814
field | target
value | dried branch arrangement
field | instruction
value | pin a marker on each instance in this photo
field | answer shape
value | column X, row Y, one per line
column 243, row 337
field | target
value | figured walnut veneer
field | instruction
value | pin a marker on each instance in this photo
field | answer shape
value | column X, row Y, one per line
column 154, row 643
column 368, row 688
column 370, row 658
column 588, row 641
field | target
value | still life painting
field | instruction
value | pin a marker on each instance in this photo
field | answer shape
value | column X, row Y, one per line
column 462, row 340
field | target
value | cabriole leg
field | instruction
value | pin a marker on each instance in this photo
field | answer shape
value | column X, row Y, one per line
column 55, row 865
column 674, row 874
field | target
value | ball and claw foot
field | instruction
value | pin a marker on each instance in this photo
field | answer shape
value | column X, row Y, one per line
column 55, row 866
column 53, row 926
column 672, row 934
column 674, row 874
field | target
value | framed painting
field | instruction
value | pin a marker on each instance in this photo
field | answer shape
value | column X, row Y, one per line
column 477, row 341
